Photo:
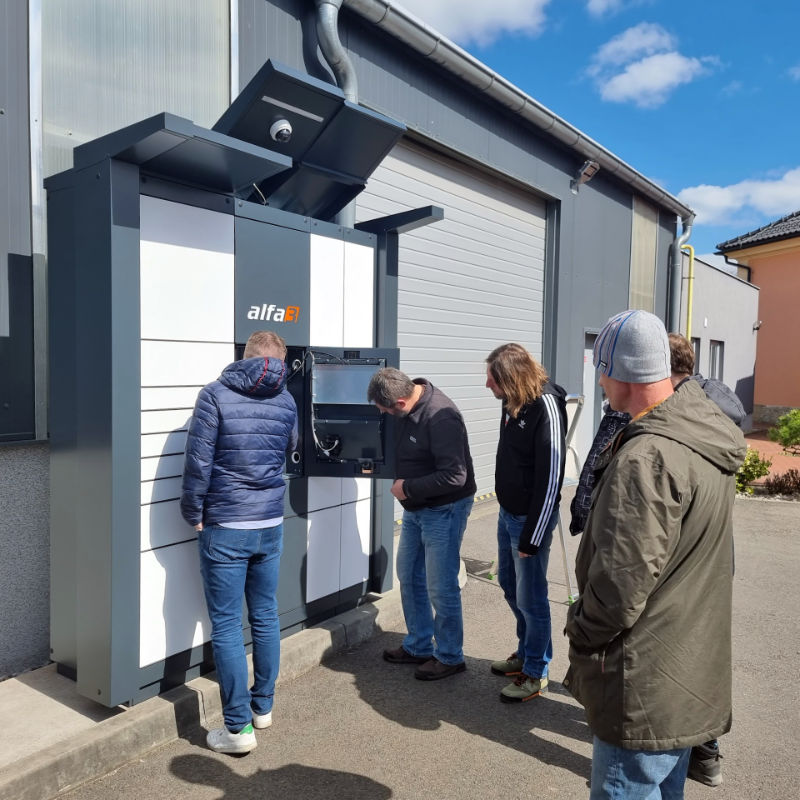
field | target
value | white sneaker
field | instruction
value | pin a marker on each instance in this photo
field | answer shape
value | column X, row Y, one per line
column 261, row 721
column 221, row 740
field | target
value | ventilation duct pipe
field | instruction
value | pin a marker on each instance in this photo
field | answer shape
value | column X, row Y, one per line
column 334, row 53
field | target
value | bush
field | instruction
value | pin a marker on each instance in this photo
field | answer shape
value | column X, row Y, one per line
column 753, row 467
column 787, row 483
column 787, row 431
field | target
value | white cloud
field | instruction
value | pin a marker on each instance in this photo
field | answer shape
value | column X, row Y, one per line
column 647, row 83
column 643, row 39
column 725, row 205
column 733, row 88
column 794, row 73
column 480, row 21
column 642, row 66
column 597, row 8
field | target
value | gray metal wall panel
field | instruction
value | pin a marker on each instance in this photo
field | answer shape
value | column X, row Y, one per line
column 15, row 195
column 666, row 227
column 725, row 309
column 275, row 30
column 466, row 284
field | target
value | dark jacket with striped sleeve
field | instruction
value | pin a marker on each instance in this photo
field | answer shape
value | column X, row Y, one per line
column 530, row 462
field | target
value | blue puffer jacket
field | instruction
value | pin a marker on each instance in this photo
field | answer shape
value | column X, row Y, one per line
column 235, row 450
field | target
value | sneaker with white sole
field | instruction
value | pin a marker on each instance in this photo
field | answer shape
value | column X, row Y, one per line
column 523, row 688
column 262, row 721
column 221, row 740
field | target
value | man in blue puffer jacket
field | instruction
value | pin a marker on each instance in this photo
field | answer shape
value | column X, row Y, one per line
column 232, row 494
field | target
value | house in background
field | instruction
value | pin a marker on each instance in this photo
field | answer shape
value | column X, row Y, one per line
column 723, row 329
column 771, row 256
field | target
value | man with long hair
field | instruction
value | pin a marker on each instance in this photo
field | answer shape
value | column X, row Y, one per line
column 529, row 472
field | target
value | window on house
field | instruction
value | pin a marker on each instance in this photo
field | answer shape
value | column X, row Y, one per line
column 716, row 357
column 696, row 348
column 644, row 242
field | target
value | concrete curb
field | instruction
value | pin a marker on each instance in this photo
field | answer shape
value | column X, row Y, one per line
column 180, row 712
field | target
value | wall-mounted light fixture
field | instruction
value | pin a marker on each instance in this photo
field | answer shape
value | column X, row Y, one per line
column 584, row 175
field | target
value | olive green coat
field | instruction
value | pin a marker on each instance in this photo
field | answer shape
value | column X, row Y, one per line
column 650, row 634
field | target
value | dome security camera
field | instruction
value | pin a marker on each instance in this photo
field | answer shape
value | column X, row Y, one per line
column 280, row 131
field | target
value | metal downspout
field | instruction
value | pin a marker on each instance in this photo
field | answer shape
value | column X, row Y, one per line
column 676, row 276
column 334, row 53
column 689, row 291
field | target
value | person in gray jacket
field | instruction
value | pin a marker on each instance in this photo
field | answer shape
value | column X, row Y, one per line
column 682, row 365
column 650, row 634
column 704, row 765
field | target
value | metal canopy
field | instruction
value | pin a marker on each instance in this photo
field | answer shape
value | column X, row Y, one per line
column 335, row 145
column 175, row 148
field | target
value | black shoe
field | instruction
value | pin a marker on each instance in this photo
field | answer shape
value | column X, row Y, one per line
column 402, row 656
column 704, row 764
column 433, row 670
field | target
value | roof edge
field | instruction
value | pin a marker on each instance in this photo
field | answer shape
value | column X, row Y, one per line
column 415, row 33
column 752, row 239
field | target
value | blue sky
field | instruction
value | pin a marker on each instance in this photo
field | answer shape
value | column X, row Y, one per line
column 701, row 97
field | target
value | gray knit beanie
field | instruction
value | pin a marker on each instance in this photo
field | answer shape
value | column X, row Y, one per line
column 633, row 347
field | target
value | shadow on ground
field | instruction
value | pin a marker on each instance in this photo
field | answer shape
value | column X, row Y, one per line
column 291, row 780
column 470, row 701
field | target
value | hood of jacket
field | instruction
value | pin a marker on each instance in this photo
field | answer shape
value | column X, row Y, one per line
column 258, row 377
column 689, row 417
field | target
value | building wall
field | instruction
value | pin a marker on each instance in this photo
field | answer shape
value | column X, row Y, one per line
column 587, row 250
column 777, row 274
column 724, row 309
column 24, row 558
column 24, row 505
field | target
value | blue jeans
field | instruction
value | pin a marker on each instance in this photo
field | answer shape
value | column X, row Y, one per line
column 428, row 562
column 524, row 583
column 619, row 774
column 237, row 564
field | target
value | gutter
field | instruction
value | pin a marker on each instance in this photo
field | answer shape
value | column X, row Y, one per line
column 410, row 30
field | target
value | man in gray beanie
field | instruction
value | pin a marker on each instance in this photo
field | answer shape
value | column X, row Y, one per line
column 650, row 634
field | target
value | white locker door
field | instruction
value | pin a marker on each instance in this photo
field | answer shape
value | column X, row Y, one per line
column 186, row 257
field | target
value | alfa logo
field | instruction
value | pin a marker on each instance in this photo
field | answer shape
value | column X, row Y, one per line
column 273, row 313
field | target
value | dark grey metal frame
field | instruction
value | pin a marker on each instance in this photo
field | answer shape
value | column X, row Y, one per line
column 94, row 245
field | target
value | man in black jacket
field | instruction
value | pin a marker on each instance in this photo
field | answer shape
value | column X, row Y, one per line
column 436, row 486
column 528, row 475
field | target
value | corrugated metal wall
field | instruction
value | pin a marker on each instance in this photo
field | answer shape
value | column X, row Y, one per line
column 467, row 284
column 107, row 65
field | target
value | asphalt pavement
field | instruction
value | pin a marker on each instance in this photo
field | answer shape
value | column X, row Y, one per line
column 349, row 725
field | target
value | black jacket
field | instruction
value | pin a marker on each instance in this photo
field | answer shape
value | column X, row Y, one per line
column 432, row 455
column 530, row 463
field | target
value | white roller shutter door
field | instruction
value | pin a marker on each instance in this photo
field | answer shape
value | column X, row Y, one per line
column 467, row 284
